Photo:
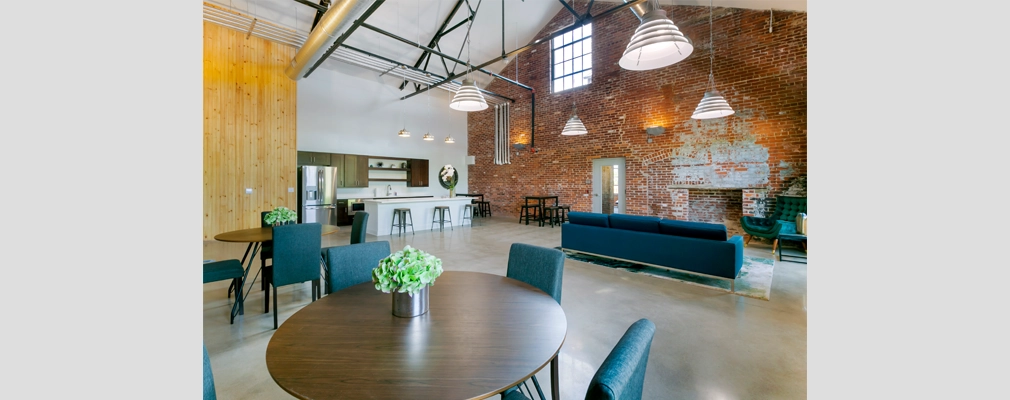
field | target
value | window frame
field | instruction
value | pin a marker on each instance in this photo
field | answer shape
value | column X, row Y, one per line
column 571, row 45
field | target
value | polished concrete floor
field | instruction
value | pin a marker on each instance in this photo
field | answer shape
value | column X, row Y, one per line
column 708, row 344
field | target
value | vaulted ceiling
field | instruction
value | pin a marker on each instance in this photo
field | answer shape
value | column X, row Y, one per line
column 499, row 26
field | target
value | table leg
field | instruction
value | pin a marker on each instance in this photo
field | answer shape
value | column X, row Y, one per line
column 555, row 385
column 239, row 305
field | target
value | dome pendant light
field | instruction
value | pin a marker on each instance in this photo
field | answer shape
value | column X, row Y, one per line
column 427, row 136
column 657, row 43
column 449, row 139
column 712, row 104
column 574, row 125
column 403, row 132
column 468, row 97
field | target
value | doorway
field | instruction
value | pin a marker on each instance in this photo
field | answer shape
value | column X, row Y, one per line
column 608, row 186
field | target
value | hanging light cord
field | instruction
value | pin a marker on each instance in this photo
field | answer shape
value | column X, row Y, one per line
column 711, row 48
column 468, row 26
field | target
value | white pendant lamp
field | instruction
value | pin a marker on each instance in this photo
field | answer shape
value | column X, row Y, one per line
column 468, row 97
column 449, row 139
column 574, row 125
column 657, row 43
column 712, row 104
column 403, row 132
column 427, row 136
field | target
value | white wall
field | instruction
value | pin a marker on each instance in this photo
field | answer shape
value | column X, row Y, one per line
column 352, row 110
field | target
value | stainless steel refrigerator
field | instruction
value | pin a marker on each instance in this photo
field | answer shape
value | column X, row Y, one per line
column 317, row 194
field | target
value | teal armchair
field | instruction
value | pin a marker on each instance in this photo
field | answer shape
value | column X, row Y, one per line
column 782, row 220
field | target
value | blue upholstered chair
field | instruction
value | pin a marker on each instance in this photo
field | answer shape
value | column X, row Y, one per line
column 350, row 265
column 782, row 220
column 358, row 227
column 209, row 393
column 226, row 269
column 540, row 267
column 622, row 374
column 296, row 259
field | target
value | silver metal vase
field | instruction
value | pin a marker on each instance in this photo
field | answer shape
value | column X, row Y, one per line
column 407, row 306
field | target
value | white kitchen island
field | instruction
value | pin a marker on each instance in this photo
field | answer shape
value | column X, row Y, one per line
column 380, row 213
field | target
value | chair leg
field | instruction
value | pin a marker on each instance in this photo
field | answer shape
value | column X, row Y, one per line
column 749, row 237
column 238, row 296
column 775, row 244
column 275, row 306
column 267, row 280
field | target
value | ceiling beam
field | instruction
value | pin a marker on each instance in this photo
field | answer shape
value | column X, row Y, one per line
column 313, row 5
column 572, row 10
column 438, row 35
column 319, row 13
column 443, row 55
column 536, row 42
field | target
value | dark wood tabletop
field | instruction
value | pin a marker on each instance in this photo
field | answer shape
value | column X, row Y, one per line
column 483, row 333
column 260, row 234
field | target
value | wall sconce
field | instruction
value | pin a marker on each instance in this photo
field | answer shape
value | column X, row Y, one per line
column 519, row 146
column 655, row 130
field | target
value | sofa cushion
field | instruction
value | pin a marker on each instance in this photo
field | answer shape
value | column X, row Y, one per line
column 698, row 230
column 639, row 223
column 591, row 219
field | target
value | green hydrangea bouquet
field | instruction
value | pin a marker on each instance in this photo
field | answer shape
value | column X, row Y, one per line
column 279, row 216
column 406, row 271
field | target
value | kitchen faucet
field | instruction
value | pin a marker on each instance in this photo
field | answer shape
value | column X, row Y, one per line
column 389, row 189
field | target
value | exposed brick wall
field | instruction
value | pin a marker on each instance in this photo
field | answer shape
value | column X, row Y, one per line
column 762, row 146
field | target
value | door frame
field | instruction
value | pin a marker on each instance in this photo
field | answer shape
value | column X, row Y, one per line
column 598, row 183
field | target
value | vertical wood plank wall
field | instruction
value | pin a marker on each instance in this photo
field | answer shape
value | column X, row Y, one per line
column 249, row 138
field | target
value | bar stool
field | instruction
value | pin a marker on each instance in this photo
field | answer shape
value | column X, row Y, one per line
column 469, row 210
column 524, row 212
column 550, row 214
column 440, row 212
column 484, row 207
column 403, row 213
column 564, row 210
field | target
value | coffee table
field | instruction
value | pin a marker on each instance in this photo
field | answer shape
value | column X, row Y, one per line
column 793, row 237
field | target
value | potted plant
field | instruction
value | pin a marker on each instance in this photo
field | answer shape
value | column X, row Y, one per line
column 407, row 274
column 280, row 216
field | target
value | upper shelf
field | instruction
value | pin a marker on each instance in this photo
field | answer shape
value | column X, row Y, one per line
column 387, row 169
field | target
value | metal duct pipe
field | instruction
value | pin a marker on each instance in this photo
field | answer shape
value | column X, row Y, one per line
column 334, row 21
column 641, row 9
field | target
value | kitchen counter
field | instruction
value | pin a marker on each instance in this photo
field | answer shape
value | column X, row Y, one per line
column 389, row 197
column 380, row 212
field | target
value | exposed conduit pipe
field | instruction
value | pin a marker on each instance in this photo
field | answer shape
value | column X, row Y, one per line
column 642, row 8
column 337, row 18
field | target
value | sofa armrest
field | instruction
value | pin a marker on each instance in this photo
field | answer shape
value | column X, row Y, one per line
column 737, row 242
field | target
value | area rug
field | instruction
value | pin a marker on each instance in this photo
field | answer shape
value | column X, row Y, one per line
column 755, row 279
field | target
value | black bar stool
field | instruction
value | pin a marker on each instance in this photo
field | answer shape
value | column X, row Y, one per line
column 563, row 212
column 525, row 211
column 469, row 210
column 550, row 215
column 484, row 208
column 440, row 213
column 403, row 213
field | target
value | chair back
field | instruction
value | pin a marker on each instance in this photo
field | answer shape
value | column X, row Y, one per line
column 622, row 374
column 787, row 207
column 296, row 253
column 352, row 264
column 541, row 267
column 267, row 247
column 209, row 393
column 358, row 228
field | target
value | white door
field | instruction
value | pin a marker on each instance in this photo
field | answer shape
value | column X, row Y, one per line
column 613, row 193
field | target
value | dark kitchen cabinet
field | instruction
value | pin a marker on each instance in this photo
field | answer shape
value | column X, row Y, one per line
column 355, row 171
column 313, row 158
column 418, row 173
column 338, row 161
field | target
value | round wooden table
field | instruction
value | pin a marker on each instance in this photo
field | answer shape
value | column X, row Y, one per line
column 482, row 334
column 255, row 237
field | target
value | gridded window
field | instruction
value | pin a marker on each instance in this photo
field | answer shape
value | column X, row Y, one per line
column 572, row 59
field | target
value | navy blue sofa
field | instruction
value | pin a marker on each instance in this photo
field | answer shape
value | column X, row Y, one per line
column 694, row 247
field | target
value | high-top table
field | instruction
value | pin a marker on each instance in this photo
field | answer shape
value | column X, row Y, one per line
column 483, row 334
column 540, row 203
column 255, row 237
